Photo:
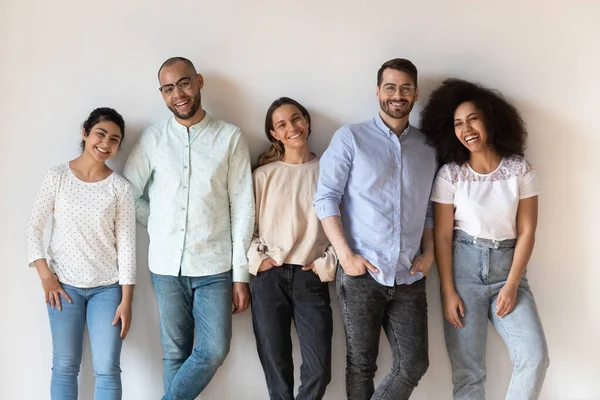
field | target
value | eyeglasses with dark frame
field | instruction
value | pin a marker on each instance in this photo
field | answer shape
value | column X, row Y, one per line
column 406, row 89
column 183, row 84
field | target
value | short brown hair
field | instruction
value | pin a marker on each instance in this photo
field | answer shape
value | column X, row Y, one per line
column 399, row 64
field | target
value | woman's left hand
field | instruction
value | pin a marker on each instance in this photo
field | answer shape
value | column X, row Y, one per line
column 123, row 314
column 310, row 267
column 507, row 299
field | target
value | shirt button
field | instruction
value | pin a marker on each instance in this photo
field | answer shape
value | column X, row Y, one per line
column 185, row 187
column 185, row 167
column 182, row 208
column 182, row 230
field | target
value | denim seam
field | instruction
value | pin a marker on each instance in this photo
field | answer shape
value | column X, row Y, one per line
column 512, row 377
column 395, row 375
column 186, row 377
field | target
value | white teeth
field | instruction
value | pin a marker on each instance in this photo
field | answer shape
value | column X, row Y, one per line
column 102, row 151
column 293, row 137
column 182, row 104
column 471, row 138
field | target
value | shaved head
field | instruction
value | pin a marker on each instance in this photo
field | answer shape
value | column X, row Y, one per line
column 175, row 60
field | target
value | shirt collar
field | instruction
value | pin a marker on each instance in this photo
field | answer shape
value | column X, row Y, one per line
column 384, row 128
column 194, row 128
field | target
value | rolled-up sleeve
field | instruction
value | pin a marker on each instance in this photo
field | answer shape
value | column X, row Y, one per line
column 333, row 176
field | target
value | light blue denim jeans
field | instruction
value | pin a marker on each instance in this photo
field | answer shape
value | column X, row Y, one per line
column 188, row 304
column 96, row 306
column 480, row 270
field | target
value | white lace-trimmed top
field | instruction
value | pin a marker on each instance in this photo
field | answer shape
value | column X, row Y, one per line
column 485, row 205
column 93, row 229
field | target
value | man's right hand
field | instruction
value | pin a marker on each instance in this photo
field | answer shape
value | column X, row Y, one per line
column 267, row 264
column 355, row 265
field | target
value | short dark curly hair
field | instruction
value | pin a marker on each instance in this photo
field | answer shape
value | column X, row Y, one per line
column 505, row 128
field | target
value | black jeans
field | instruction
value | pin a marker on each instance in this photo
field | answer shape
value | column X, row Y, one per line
column 402, row 311
column 280, row 295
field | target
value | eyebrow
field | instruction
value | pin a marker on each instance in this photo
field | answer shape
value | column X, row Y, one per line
column 473, row 113
column 293, row 115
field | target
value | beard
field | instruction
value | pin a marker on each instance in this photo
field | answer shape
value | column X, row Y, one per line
column 194, row 107
column 394, row 113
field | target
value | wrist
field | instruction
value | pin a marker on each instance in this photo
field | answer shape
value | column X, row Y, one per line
column 448, row 288
column 511, row 285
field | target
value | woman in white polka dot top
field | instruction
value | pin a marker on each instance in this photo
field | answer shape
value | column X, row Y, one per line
column 485, row 211
column 91, row 257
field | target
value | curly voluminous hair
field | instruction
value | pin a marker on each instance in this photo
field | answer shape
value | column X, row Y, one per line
column 505, row 128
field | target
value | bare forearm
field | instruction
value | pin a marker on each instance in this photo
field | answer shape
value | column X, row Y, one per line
column 427, row 242
column 335, row 233
column 523, row 250
column 43, row 270
column 443, row 257
column 127, row 293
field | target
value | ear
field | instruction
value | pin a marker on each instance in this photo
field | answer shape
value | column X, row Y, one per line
column 274, row 134
column 200, row 81
column 377, row 91
column 416, row 94
column 84, row 135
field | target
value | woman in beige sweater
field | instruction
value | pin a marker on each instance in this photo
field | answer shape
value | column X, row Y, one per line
column 291, row 258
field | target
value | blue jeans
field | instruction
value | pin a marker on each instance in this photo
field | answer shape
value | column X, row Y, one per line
column 188, row 304
column 96, row 306
column 480, row 270
column 281, row 295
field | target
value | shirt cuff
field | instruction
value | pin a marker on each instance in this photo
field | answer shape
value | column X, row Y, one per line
column 327, row 208
column 240, row 274
column 255, row 258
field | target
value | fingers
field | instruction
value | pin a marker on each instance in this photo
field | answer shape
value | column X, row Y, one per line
column 235, row 301
column 503, row 305
column 370, row 266
column 125, row 324
column 308, row 267
column 452, row 317
column 416, row 266
column 461, row 308
column 241, row 303
column 65, row 295
column 117, row 317
column 46, row 297
column 56, row 296
column 50, row 296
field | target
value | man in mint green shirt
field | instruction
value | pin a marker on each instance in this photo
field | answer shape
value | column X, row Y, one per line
column 200, row 217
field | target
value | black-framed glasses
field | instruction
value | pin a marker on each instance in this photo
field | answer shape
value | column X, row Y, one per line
column 183, row 84
column 406, row 89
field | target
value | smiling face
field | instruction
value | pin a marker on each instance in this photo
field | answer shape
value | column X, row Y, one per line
column 290, row 127
column 400, row 102
column 469, row 127
column 184, row 100
column 102, row 141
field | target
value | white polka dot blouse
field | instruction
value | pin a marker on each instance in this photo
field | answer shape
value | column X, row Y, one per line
column 92, row 242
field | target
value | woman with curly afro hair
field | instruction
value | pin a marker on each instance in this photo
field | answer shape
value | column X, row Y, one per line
column 485, row 205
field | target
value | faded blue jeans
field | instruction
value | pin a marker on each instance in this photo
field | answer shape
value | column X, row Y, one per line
column 187, row 304
column 96, row 306
column 480, row 270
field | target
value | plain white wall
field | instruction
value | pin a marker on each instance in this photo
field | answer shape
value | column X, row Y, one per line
column 59, row 60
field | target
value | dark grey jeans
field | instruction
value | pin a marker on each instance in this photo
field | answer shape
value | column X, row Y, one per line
column 367, row 306
column 281, row 295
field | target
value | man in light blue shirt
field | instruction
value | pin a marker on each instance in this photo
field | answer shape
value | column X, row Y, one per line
column 200, row 217
column 381, row 171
